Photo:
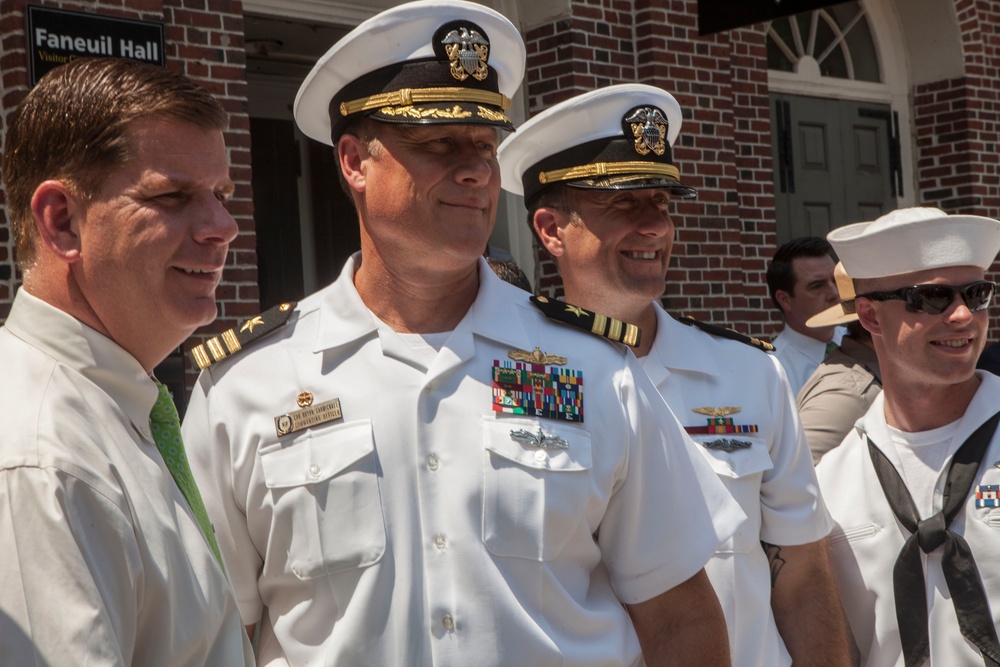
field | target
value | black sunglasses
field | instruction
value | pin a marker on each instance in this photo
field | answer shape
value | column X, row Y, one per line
column 935, row 299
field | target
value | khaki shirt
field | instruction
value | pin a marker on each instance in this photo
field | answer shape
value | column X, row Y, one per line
column 837, row 395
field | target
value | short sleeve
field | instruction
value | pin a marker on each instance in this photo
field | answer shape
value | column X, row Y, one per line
column 670, row 512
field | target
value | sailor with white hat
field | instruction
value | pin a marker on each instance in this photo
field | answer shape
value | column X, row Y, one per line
column 914, row 488
column 420, row 468
column 597, row 173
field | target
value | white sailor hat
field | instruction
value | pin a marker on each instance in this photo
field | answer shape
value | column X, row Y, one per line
column 431, row 61
column 908, row 240
column 618, row 137
column 843, row 312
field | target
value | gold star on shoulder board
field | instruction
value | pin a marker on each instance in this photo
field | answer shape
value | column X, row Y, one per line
column 251, row 323
column 576, row 310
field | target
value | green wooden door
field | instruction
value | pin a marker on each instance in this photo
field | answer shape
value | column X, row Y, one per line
column 835, row 162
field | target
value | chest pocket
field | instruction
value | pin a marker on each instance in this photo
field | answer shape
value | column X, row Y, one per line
column 534, row 497
column 324, row 489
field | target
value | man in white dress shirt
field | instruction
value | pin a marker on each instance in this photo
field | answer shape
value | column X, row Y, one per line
column 800, row 280
column 115, row 174
column 598, row 179
column 914, row 487
column 420, row 468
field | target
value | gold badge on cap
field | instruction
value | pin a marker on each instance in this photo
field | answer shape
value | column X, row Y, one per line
column 467, row 50
column 649, row 128
column 320, row 413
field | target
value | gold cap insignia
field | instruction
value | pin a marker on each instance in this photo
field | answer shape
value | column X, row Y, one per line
column 649, row 129
column 467, row 50
column 720, row 411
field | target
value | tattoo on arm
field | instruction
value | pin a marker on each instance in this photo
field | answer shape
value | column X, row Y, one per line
column 773, row 552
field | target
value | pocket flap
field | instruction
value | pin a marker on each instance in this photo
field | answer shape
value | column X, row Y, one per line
column 313, row 459
column 543, row 446
column 739, row 462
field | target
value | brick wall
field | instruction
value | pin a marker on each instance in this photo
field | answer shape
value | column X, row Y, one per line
column 725, row 236
column 203, row 39
column 957, row 125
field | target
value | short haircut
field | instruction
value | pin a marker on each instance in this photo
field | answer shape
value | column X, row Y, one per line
column 559, row 196
column 74, row 127
column 781, row 276
column 366, row 130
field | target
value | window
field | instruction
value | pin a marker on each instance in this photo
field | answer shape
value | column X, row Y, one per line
column 834, row 42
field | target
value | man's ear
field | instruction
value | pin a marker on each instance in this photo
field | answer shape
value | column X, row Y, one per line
column 784, row 299
column 548, row 224
column 352, row 153
column 57, row 212
column 868, row 316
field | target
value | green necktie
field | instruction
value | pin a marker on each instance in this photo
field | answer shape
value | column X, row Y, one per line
column 830, row 347
column 166, row 427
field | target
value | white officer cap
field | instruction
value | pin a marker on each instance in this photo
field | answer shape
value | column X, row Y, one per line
column 618, row 137
column 915, row 239
column 431, row 61
column 843, row 312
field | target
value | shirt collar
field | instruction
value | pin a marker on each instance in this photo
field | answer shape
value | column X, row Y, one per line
column 678, row 347
column 345, row 318
column 808, row 346
column 984, row 405
column 83, row 349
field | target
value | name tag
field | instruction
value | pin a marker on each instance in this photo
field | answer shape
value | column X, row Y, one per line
column 311, row 416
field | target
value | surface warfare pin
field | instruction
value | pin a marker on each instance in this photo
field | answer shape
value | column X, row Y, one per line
column 311, row 415
column 719, row 422
column 523, row 386
column 538, row 439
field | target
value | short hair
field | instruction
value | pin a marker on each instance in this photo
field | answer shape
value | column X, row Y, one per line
column 559, row 196
column 781, row 276
column 74, row 127
column 366, row 130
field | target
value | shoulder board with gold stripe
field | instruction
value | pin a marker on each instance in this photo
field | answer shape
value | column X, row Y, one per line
column 731, row 334
column 233, row 340
column 602, row 325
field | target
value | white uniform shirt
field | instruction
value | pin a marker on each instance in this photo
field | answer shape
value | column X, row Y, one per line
column 801, row 355
column 415, row 530
column 773, row 479
column 101, row 560
column 867, row 539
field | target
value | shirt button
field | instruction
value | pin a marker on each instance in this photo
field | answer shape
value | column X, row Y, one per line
column 314, row 471
column 432, row 462
column 448, row 622
column 540, row 456
column 440, row 542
